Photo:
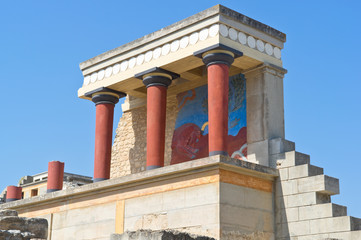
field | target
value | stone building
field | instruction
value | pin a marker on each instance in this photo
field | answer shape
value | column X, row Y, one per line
column 201, row 145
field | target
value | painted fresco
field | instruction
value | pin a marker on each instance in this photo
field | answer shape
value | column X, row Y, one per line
column 190, row 138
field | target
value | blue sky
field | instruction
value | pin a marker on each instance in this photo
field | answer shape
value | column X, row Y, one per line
column 43, row 42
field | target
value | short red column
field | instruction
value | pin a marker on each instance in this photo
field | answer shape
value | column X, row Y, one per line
column 105, row 100
column 218, row 59
column 13, row 193
column 157, row 81
column 55, row 176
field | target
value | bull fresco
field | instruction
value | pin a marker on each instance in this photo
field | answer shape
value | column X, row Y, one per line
column 190, row 138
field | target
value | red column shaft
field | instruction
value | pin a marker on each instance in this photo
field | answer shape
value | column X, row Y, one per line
column 156, row 113
column 13, row 193
column 103, row 141
column 218, row 108
column 55, row 176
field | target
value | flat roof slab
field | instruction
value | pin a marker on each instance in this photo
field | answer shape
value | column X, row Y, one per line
column 172, row 49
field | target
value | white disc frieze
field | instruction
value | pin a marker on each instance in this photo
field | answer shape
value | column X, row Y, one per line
column 101, row 74
column 260, row 45
column 269, row 49
column 232, row 34
column 223, row 29
column 87, row 80
column 93, row 77
column 251, row 42
column 140, row 59
column 148, row 56
column 193, row 39
column 132, row 62
column 124, row 66
column 116, row 68
column 203, row 34
column 174, row 46
column 277, row 52
column 157, row 52
column 184, row 42
column 165, row 49
column 242, row 38
column 213, row 30
column 108, row 72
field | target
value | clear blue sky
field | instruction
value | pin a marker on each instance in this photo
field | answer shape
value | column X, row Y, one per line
column 43, row 42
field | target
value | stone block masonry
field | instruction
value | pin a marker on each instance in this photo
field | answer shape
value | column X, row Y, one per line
column 130, row 147
column 13, row 227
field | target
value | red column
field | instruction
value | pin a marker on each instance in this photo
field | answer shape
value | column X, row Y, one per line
column 157, row 81
column 105, row 100
column 55, row 176
column 218, row 108
column 103, row 141
column 218, row 59
column 13, row 193
column 156, row 112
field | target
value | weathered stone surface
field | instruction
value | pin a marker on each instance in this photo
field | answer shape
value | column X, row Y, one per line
column 130, row 147
column 13, row 227
column 7, row 212
column 157, row 235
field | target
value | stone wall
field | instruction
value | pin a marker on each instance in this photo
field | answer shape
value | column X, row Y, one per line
column 157, row 235
column 129, row 147
column 19, row 228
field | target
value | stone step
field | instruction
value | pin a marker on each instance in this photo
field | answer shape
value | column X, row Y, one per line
column 303, row 199
column 318, row 228
column 320, row 183
column 351, row 235
column 289, row 159
column 305, row 170
column 321, row 211
column 334, row 224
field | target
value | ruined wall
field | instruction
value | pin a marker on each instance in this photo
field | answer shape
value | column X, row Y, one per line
column 129, row 147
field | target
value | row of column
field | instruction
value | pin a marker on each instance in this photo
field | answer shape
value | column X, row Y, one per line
column 217, row 58
column 54, row 182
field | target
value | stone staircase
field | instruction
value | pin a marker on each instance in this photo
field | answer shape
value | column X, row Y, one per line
column 304, row 210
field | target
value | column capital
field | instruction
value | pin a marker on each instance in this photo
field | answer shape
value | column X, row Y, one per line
column 105, row 95
column 218, row 54
column 157, row 77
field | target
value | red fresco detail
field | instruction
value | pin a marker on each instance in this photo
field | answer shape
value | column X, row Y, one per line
column 189, row 144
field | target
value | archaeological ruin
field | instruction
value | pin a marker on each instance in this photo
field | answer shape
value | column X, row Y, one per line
column 200, row 150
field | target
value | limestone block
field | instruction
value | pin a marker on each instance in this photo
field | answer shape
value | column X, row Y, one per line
column 353, row 235
column 289, row 159
column 292, row 229
column 246, row 219
column 305, row 199
column 280, row 145
column 284, row 188
column 283, row 174
column 334, row 224
column 287, row 215
column 322, row 211
column 195, row 216
column 75, row 217
column 304, row 170
column 320, row 183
